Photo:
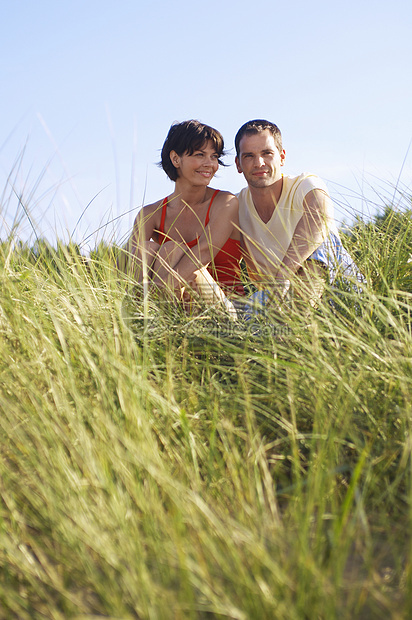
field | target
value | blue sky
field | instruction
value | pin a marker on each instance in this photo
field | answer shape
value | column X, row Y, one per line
column 90, row 89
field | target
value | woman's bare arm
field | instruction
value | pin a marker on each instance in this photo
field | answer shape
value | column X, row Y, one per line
column 140, row 248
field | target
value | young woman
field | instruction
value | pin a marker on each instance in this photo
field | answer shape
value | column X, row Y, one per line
column 189, row 239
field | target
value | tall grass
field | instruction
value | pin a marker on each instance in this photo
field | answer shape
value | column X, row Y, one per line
column 181, row 467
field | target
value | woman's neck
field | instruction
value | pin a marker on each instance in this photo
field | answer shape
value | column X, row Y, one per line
column 193, row 196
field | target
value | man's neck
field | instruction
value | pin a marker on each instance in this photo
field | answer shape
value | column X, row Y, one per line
column 266, row 199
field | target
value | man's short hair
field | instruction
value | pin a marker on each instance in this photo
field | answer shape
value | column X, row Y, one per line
column 257, row 126
column 186, row 138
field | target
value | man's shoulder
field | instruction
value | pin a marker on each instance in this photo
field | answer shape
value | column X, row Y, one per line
column 242, row 192
column 296, row 188
column 246, row 205
column 306, row 180
column 245, row 200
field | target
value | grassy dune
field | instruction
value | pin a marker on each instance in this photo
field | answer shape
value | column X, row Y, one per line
column 186, row 468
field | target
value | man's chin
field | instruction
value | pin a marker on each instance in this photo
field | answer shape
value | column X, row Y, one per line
column 260, row 183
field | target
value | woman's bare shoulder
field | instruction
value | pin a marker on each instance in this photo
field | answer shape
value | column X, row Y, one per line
column 152, row 208
column 227, row 210
column 225, row 193
column 227, row 198
column 149, row 211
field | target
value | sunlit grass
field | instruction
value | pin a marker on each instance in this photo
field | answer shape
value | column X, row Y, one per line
column 189, row 468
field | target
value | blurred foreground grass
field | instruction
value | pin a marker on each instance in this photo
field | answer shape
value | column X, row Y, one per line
column 187, row 468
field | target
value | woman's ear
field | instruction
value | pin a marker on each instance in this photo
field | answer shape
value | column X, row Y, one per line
column 175, row 159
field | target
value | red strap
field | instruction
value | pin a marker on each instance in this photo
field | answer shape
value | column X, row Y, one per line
column 161, row 231
column 210, row 204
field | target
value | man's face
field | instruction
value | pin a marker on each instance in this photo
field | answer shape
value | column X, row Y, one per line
column 259, row 159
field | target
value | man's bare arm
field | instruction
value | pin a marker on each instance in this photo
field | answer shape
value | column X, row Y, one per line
column 310, row 232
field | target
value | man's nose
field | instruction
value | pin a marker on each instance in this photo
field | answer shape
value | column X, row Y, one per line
column 259, row 161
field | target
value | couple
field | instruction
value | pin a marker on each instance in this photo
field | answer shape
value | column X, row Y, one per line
column 193, row 239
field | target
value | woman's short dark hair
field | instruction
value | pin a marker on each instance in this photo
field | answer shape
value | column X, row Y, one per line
column 186, row 138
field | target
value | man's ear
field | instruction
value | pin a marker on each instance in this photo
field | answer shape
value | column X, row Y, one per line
column 282, row 157
column 239, row 169
column 175, row 159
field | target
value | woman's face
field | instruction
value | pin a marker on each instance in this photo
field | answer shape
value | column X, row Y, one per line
column 200, row 167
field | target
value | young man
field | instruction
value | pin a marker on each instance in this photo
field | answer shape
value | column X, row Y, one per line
column 287, row 223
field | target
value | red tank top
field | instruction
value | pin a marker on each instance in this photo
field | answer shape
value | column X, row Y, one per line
column 224, row 268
